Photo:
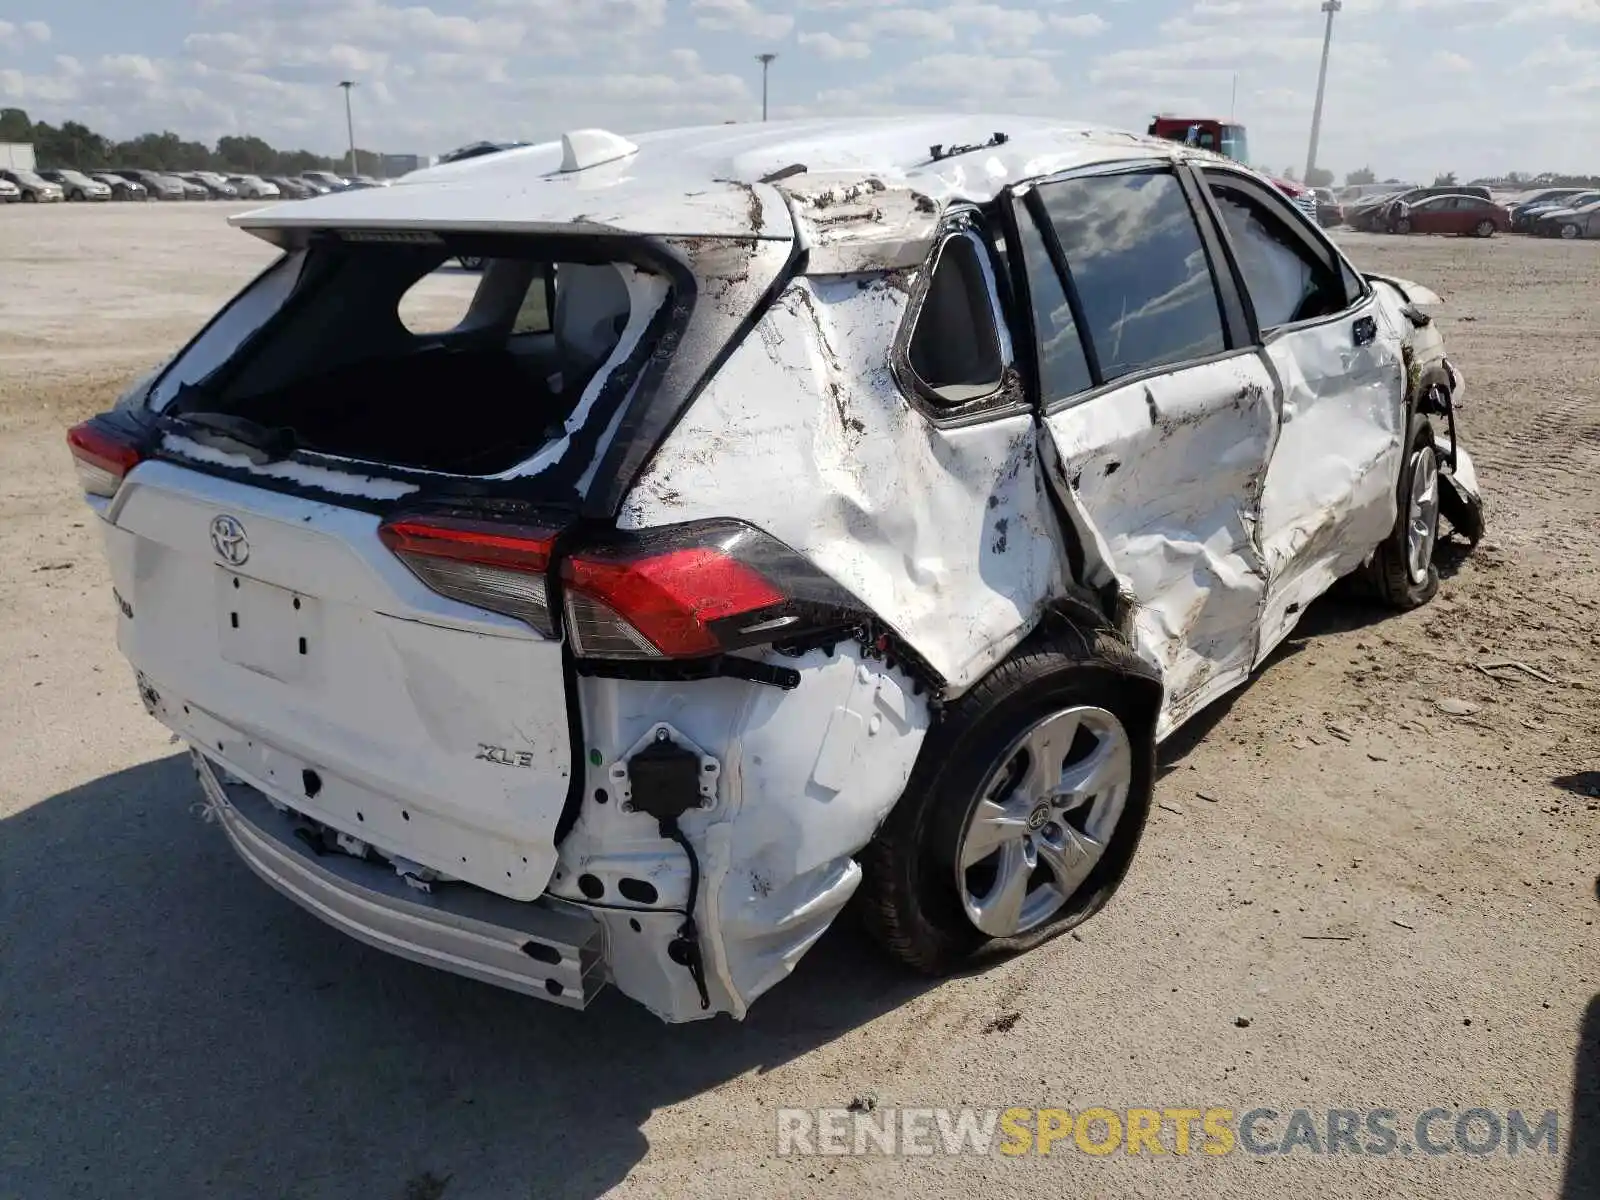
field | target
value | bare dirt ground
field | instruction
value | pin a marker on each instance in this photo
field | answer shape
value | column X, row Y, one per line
column 1399, row 902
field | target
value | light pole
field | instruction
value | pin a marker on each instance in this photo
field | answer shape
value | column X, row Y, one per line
column 350, row 127
column 766, row 63
column 1330, row 7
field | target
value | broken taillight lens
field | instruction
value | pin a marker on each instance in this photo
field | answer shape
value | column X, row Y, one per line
column 688, row 591
column 483, row 563
column 692, row 591
column 101, row 457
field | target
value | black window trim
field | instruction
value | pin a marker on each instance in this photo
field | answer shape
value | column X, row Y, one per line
column 1232, row 311
column 1008, row 398
column 1308, row 236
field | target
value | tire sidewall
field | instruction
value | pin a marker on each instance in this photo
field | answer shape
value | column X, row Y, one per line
column 942, row 816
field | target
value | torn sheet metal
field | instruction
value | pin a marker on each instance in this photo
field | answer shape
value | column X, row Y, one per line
column 944, row 533
column 1162, row 479
column 804, row 778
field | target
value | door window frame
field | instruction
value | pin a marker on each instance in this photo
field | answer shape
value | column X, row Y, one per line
column 1025, row 203
column 1008, row 397
column 1309, row 237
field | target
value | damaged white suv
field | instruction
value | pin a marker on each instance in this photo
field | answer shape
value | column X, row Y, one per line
column 793, row 512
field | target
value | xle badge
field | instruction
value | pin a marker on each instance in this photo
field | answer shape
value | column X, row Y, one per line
column 502, row 757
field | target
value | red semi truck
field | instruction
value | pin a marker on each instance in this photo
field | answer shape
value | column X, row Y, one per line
column 1227, row 139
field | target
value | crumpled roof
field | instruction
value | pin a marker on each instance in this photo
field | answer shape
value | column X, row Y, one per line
column 858, row 181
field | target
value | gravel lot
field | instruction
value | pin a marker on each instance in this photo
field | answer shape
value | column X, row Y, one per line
column 1399, row 903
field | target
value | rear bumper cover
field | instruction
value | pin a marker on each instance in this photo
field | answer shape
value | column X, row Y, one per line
column 547, row 948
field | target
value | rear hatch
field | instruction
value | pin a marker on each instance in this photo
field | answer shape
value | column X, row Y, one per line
column 253, row 490
column 284, row 639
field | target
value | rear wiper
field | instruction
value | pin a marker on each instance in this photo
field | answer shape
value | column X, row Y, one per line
column 260, row 443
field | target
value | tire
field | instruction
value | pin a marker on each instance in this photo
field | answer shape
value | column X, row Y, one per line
column 1570, row 232
column 1485, row 229
column 29, row 198
column 1395, row 578
column 914, row 898
column 1403, row 225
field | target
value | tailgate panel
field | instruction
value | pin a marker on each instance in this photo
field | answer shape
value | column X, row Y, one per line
column 323, row 653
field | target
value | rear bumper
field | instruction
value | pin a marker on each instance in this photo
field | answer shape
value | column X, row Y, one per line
column 547, row 948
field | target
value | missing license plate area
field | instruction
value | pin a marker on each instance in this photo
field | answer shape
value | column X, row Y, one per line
column 266, row 629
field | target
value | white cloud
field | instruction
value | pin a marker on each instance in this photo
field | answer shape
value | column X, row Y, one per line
column 37, row 30
column 905, row 23
column 1448, row 60
column 826, row 45
column 741, row 16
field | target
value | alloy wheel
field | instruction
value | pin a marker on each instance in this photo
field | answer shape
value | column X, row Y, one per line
column 1422, row 513
column 1046, row 814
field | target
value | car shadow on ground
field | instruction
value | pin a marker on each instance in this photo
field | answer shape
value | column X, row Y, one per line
column 175, row 1027
column 1581, row 1178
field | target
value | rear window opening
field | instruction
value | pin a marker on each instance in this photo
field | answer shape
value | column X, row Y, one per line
column 393, row 352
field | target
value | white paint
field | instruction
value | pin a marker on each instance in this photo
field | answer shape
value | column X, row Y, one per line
column 585, row 148
column 396, row 692
column 341, row 482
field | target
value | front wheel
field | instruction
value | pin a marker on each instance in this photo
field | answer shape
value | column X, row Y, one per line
column 1569, row 232
column 1485, row 229
column 1024, row 810
column 1402, row 573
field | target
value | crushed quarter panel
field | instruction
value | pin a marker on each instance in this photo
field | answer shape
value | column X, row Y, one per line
column 945, row 534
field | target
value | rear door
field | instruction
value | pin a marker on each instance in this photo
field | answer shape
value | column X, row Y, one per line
column 1328, row 497
column 1159, row 411
column 280, row 637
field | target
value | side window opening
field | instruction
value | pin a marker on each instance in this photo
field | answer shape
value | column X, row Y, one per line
column 955, row 349
column 1286, row 282
column 1137, row 262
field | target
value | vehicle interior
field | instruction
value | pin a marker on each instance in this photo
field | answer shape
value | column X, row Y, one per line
column 391, row 353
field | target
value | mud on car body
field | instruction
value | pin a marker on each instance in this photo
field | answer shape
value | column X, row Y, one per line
column 793, row 514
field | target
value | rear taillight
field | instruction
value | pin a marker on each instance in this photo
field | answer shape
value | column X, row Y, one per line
column 487, row 564
column 662, row 605
column 681, row 592
column 101, row 457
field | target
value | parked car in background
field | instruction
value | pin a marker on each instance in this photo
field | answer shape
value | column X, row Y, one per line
column 1377, row 214
column 123, row 188
column 193, row 189
column 291, row 189
column 162, row 186
column 254, row 187
column 1522, row 207
column 368, row 181
column 328, row 180
column 215, row 186
column 78, row 186
column 1329, row 211
column 10, row 193
column 484, row 658
column 475, row 150
column 1353, row 194
column 316, row 186
column 34, row 187
column 1534, row 215
column 1579, row 221
column 1457, row 214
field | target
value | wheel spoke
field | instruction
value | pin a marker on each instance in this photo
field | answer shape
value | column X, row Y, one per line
column 1000, row 911
column 1046, row 747
column 993, row 826
column 1109, row 765
column 1071, row 861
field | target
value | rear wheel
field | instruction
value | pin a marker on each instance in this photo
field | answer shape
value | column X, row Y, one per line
column 1402, row 573
column 1485, row 229
column 1020, row 821
column 1403, row 225
column 1569, row 232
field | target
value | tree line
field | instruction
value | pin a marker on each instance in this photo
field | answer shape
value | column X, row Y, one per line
column 75, row 145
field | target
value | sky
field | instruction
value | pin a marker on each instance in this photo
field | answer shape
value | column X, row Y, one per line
column 1415, row 87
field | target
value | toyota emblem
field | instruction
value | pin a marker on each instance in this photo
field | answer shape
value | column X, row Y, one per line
column 229, row 541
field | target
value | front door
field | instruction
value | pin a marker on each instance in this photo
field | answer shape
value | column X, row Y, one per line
column 1160, row 414
column 1329, row 494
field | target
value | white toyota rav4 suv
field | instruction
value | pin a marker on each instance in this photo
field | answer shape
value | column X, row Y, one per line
column 792, row 512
